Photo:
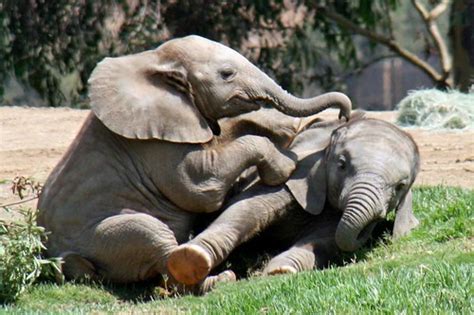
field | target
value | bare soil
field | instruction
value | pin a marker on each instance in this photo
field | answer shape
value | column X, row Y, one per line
column 32, row 140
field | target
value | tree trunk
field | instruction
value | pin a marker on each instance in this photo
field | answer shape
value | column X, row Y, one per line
column 461, row 32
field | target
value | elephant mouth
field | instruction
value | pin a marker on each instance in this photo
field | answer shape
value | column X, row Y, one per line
column 366, row 232
column 242, row 104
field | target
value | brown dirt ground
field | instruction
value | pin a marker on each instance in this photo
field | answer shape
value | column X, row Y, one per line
column 32, row 140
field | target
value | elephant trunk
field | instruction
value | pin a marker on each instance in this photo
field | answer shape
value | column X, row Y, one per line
column 298, row 107
column 364, row 208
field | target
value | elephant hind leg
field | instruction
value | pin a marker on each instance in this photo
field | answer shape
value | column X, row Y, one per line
column 127, row 247
column 189, row 264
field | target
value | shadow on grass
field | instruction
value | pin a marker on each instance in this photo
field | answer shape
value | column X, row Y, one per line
column 246, row 261
column 137, row 292
column 380, row 235
column 250, row 258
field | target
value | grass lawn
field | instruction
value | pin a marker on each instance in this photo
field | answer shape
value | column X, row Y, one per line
column 429, row 271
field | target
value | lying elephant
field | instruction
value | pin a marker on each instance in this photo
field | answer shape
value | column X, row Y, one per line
column 356, row 172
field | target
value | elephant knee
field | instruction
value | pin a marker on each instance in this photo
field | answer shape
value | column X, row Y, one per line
column 129, row 247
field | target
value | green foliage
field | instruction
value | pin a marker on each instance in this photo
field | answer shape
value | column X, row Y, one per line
column 20, row 249
column 435, row 109
column 52, row 46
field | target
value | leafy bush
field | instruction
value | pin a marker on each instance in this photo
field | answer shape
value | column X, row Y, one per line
column 20, row 261
column 435, row 109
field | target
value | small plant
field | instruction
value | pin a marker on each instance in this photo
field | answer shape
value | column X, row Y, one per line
column 20, row 261
column 21, row 244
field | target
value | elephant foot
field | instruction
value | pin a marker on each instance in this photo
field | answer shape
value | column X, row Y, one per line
column 210, row 282
column 189, row 264
column 204, row 286
column 281, row 270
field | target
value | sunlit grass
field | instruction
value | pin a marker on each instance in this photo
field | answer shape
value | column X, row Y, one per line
column 428, row 271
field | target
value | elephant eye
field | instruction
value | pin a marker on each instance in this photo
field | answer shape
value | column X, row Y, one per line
column 400, row 186
column 341, row 162
column 227, row 73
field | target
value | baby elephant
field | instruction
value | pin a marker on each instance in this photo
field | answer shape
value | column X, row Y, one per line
column 132, row 228
column 356, row 172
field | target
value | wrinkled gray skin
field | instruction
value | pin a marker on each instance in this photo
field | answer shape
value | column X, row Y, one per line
column 147, row 157
column 356, row 173
column 106, row 204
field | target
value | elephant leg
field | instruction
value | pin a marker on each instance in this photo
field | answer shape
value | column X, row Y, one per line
column 295, row 259
column 315, row 248
column 216, row 169
column 122, row 248
column 274, row 167
column 251, row 213
column 202, row 287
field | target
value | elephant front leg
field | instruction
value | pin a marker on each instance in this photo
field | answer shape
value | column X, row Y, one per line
column 214, row 170
column 254, row 210
column 315, row 249
column 296, row 259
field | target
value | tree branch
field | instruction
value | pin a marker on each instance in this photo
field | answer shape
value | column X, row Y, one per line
column 18, row 202
column 429, row 20
column 386, row 41
column 440, row 8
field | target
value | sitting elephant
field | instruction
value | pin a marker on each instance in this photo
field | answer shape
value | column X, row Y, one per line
column 106, row 212
column 356, row 172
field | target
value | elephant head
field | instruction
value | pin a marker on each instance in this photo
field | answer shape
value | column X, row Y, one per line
column 364, row 168
column 178, row 91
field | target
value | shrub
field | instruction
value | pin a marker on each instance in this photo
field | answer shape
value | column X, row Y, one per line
column 20, row 260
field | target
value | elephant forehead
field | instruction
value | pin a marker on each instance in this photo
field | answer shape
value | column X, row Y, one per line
column 199, row 49
column 378, row 147
column 380, row 133
column 382, row 156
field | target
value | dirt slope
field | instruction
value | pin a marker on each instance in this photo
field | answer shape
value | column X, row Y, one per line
column 32, row 140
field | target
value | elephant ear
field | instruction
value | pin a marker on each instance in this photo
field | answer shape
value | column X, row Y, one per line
column 307, row 184
column 405, row 220
column 142, row 97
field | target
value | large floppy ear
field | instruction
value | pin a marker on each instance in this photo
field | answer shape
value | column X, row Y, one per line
column 307, row 184
column 141, row 96
column 405, row 220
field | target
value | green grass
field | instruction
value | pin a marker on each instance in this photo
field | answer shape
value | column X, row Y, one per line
column 429, row 271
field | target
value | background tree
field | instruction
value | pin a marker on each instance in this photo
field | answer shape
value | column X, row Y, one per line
column 462, row 40
column 52, row 46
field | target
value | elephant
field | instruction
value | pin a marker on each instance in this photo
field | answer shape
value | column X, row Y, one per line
column 348, row 177
column 109, row 218
column 152, row 154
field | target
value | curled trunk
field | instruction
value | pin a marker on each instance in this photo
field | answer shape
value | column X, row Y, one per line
column 298, row 107
column 362, row 212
